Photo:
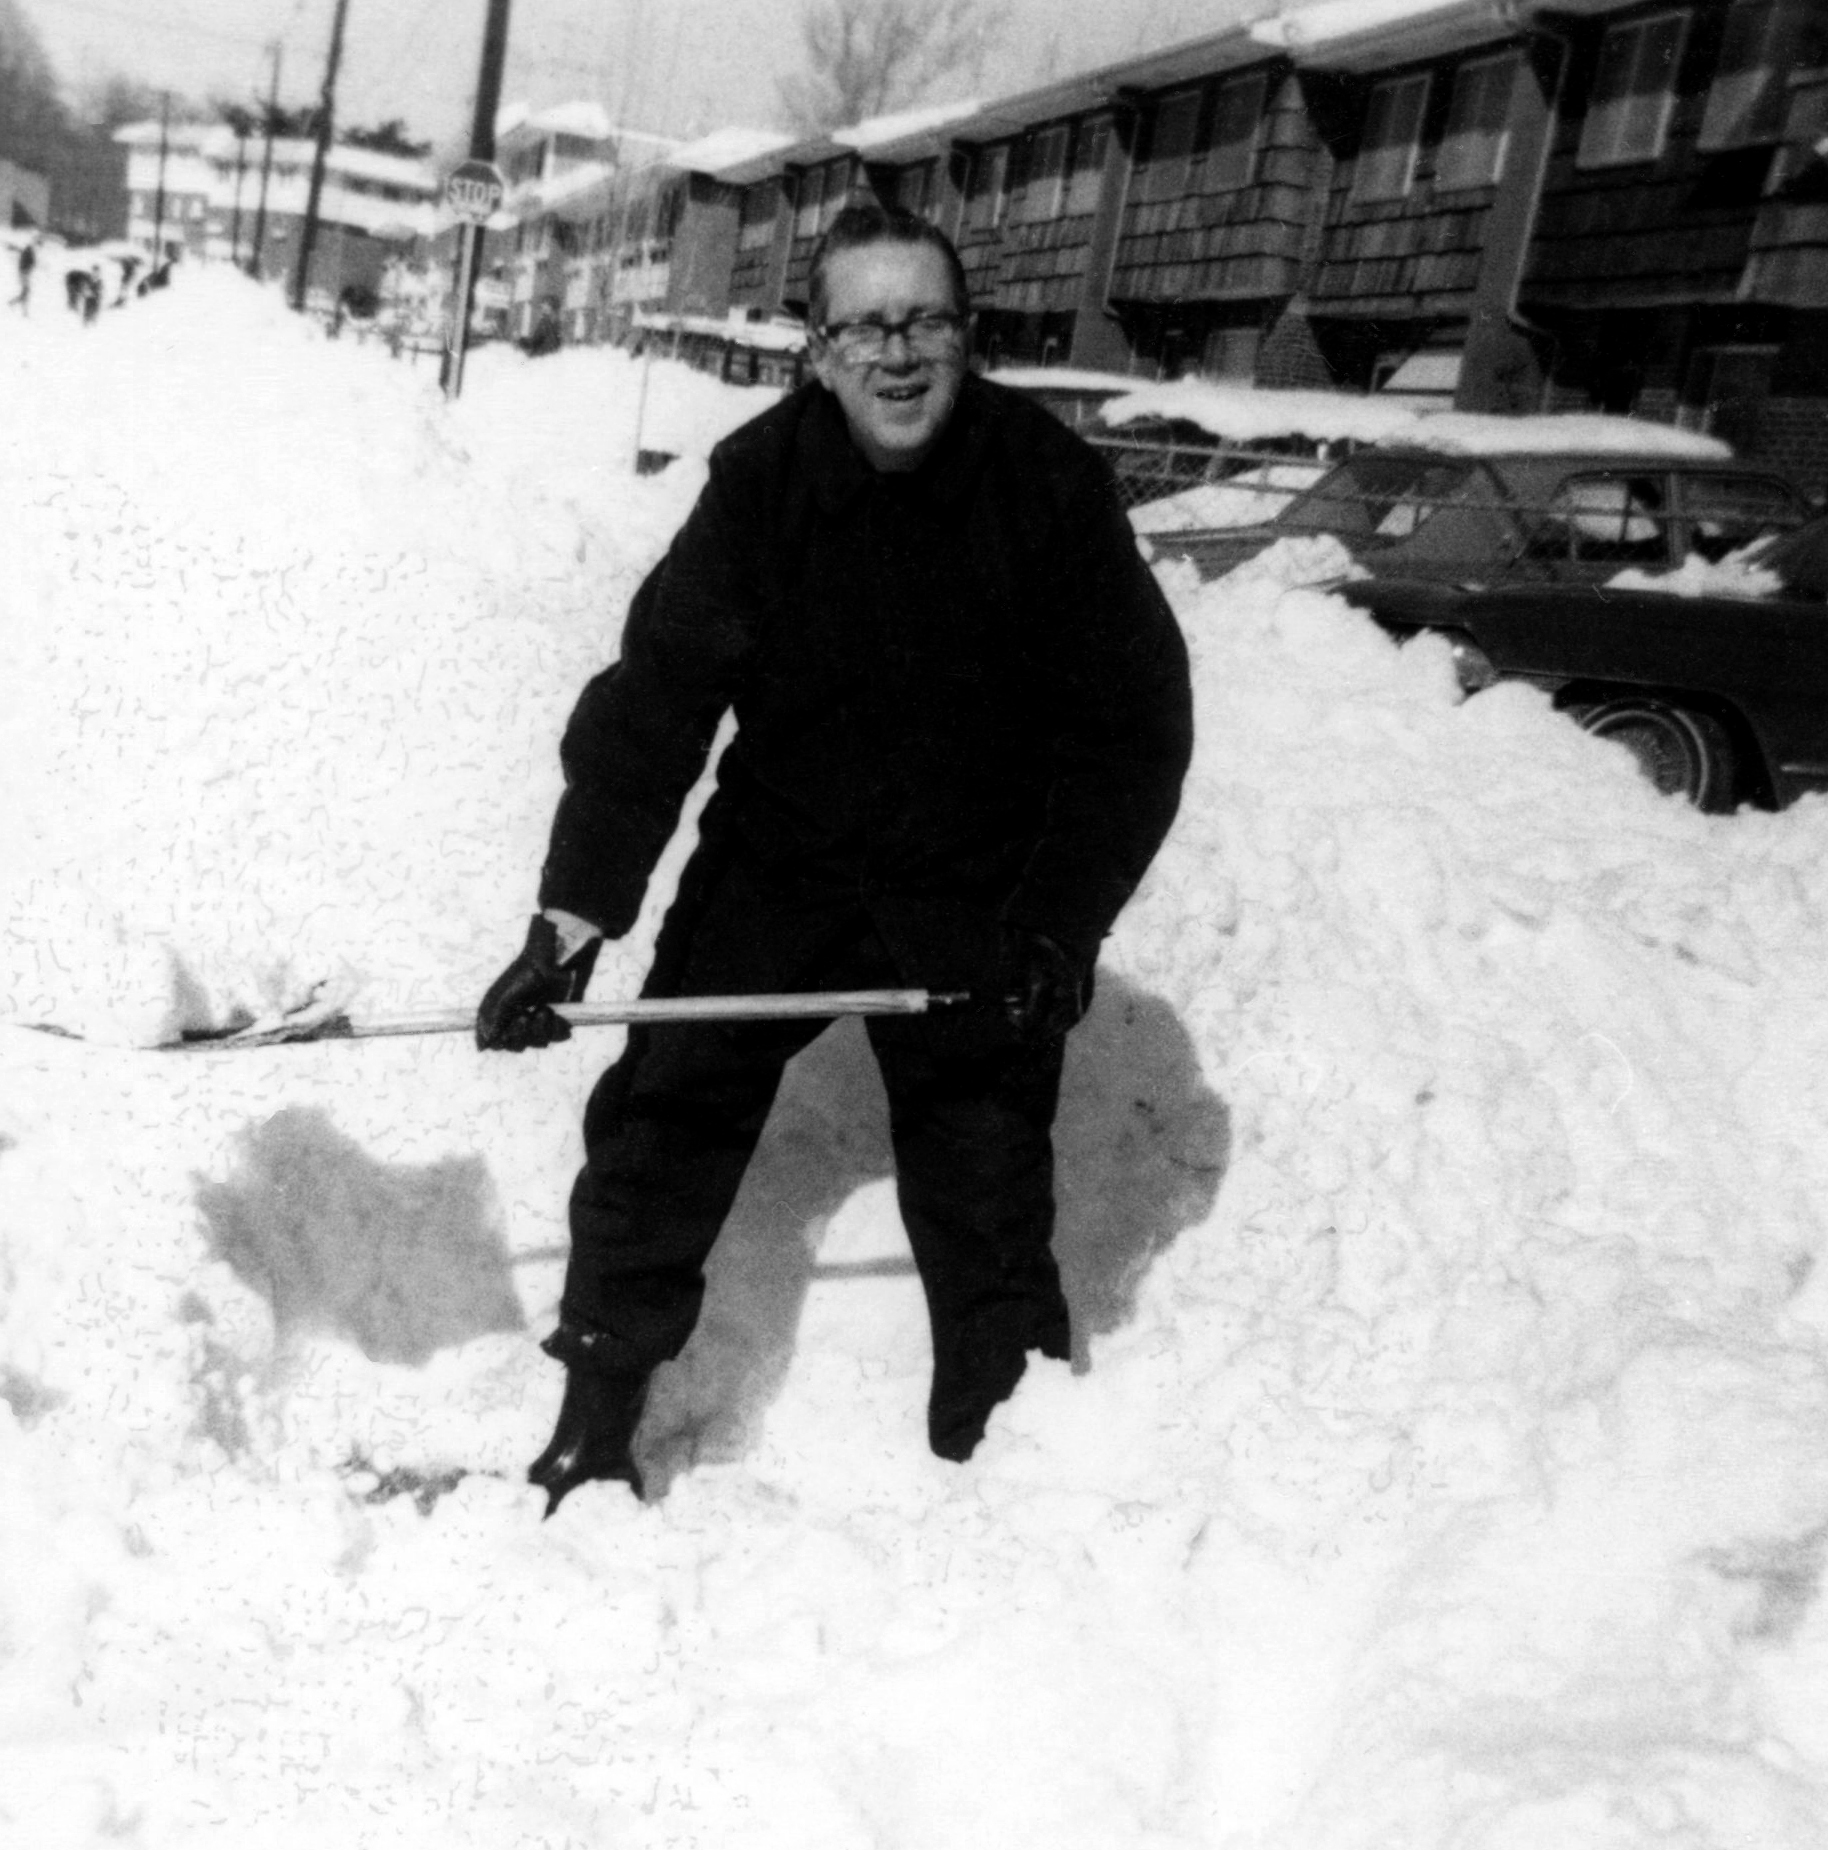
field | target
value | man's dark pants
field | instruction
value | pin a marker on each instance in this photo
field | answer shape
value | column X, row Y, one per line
column 672, row 1125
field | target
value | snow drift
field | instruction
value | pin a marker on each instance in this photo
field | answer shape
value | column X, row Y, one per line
column 1445, row 1461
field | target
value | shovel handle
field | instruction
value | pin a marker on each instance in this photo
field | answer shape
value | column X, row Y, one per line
column 797, row 1006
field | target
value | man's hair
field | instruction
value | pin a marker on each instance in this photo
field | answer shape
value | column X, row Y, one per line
column 868, row 221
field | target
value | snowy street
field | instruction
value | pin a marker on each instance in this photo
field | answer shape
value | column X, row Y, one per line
column 1444, row 1461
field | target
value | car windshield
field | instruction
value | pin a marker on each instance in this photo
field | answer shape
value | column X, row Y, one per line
column 1375, row 500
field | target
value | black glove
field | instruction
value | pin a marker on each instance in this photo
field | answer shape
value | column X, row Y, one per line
column 516, row 1013
column 1042, row 986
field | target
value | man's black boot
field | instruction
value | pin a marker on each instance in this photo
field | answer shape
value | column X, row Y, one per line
column 595, row 1435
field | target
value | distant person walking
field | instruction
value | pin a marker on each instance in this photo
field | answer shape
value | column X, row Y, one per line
column 28, row 262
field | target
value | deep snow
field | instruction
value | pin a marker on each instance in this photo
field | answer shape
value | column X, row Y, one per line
column 1446, row 1462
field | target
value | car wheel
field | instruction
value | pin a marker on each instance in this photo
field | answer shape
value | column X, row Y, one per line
column 1682, row 752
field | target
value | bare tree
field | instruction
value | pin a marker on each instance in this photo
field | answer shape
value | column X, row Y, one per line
column 33, row 121
column 390, row 137
column 867, row 57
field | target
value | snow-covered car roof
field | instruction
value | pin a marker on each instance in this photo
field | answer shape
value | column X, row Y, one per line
column 1247, row 414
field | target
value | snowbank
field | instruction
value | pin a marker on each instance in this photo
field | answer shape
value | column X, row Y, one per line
column 1445, row 1461
column 1737, row 575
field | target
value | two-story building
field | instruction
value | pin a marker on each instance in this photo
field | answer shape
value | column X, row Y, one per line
column 219, row 197
column 25, row 195
column 566, row 169
column 1502, row 204
column 1678, row 266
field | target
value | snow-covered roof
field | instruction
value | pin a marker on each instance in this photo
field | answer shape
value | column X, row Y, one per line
column 215, row 141
column 564, row 187
column 585, row 119
column 727, row 149
column 590, row 120
column 879, row 133
column 1244, row 414
column 1063, row 378
column 775, row 336
column 1344, row 31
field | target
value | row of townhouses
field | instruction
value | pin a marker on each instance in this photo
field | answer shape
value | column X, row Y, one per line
column 1509, row 205
column 1618, row 204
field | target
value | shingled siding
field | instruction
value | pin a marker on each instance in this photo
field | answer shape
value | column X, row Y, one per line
column 980, row 243
column 1040, row 267
column 1397, row 260
column 981, row 252
column 1225, row 243
column 1415, row 257
column 1673, row 229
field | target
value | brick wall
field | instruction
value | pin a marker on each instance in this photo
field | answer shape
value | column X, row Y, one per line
column 1789, row 433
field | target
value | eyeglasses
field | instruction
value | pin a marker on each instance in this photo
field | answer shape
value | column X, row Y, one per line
column 930, row 335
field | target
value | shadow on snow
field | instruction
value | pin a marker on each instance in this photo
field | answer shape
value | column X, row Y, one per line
column 399, row 1260
column 1141, row 1145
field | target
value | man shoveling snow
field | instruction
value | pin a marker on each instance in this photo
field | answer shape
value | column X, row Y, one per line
column 963, row 718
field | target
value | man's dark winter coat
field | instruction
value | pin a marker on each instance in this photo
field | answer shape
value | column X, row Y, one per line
column 960, row 697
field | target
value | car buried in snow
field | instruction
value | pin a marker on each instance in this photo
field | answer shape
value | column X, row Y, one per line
column 1575, row 513
column 1714, row 678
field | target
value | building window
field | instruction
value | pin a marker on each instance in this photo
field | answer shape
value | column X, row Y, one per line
column 1605, row 519
column 1633, row 92
column 806, row 216
column 1237, row 122
column 757, row 224
column 916, row 188
column 1478, row 118
column 1042, row 184
column 1177, row 118
column 1085, row 182
column 984, row 210
column 837, row 191
column 1393, row 126
column 1746, row 101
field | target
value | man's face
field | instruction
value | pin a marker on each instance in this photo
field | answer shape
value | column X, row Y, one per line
column 896, row 405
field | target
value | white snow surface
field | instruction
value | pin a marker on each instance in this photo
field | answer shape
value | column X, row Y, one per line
column 1445, row 1464
column 1246, row 414
column 1739, row 574
column 879, row 131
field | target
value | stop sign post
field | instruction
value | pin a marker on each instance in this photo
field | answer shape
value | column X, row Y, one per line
column 473, row 191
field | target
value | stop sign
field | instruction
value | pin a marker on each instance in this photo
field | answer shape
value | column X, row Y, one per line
column 474, row 190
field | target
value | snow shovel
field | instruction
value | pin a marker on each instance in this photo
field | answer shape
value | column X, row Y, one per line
column 314, row 1023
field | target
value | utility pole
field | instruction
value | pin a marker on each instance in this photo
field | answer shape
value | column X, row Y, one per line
column 482, row 148
column 266, row 166
column 158, row 207
column 326, row 116
column 241, row 167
